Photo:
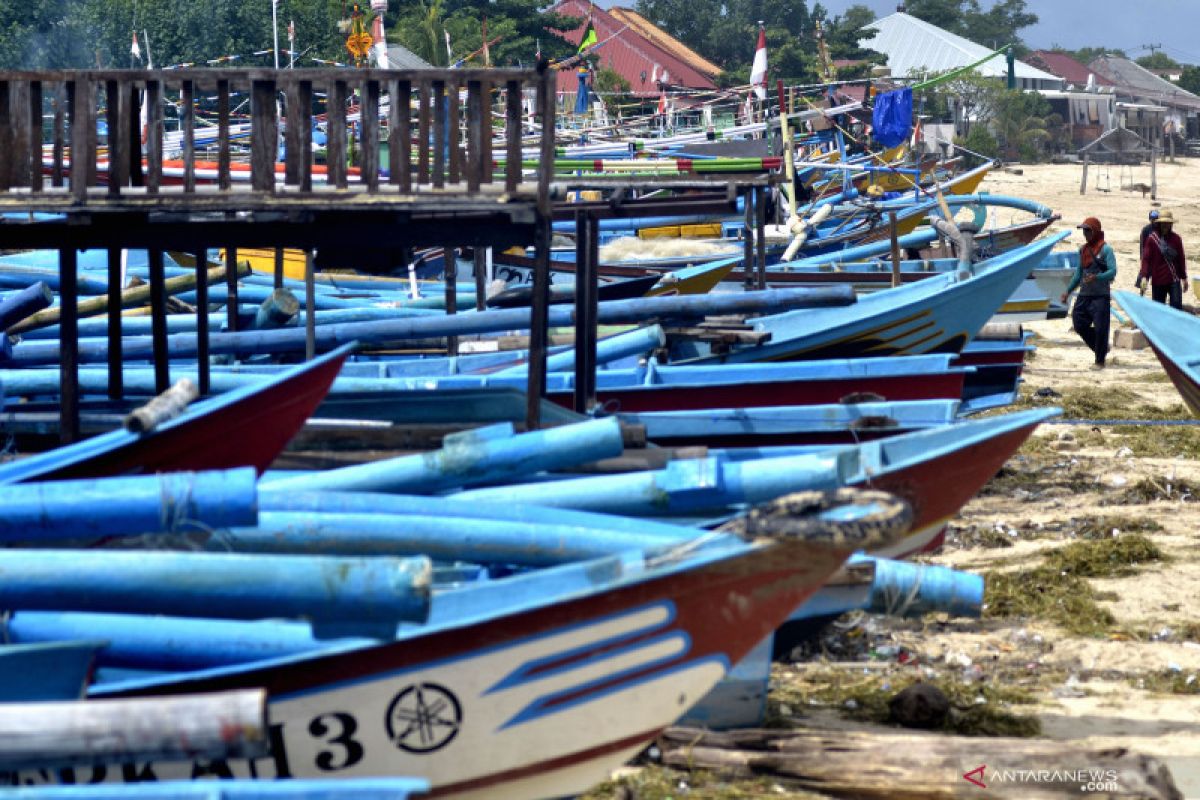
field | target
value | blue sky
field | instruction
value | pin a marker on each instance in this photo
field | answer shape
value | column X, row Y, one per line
column 1126, row 25
column 1118, row 24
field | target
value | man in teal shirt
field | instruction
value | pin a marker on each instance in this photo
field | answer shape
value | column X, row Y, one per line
column 1094, row 276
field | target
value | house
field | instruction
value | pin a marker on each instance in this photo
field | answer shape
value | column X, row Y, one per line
column 1088, row 103
column 915, row 49
column 1149, row 104
column 400, row 57
column 641, row 53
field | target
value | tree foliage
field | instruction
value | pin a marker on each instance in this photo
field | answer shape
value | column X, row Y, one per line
column 726, row 32
column 64, row 34
column 1158, row 60
column 996, row 27
column 1190, row 80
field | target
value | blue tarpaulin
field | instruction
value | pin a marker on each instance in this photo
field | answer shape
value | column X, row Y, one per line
column 892, row 118
column 582, row 99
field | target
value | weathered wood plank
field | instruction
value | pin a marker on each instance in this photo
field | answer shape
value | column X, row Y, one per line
column 116, row 100
column 223, row 155
column 335, row 152
column 370, row 135
column 474, row 136
column 424, row 89
column 22, row 142
column 917, row 766
column 438, row 94
column 36, row 181
column 512, row 132
column 454, row 115
column 487, row 171
column 264, row 135
column 6, row 131
column 61, row 104
column 400, row 136
column 187, row 100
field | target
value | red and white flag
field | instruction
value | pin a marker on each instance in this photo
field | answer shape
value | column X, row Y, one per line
column 134, row 50
column 758, row 72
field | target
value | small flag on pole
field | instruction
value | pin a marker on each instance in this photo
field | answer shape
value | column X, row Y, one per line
column 589, row 37
column 758, row 72
column 134, row 49
column 449, row 52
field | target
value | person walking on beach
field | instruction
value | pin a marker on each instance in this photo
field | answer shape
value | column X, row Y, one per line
column 1148, row 228
column 1163, row 263
column 1094, row 276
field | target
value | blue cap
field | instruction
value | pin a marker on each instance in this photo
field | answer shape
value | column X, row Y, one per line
column 1154, row 214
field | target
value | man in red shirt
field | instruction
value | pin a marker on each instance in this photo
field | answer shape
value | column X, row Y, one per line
column 1164, row 263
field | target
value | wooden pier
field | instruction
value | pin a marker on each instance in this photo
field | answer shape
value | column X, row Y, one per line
column 118, row 190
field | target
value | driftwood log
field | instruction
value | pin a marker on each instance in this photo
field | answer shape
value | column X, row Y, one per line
column 915, row 766
column 93, row 732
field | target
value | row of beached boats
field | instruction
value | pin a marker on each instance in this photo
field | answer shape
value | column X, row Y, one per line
column 427, row 591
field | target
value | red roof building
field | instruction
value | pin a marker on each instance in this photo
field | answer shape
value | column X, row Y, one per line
column 644, row 56
column 1065, row 67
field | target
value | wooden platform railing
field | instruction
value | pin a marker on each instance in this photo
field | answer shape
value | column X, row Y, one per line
column 441, row 126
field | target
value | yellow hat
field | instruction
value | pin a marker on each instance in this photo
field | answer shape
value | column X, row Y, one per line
column 1166, row 218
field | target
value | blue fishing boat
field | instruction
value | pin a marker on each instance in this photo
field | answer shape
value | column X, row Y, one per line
column 245, row 427
column 1173, row 335
column 537, row 685
column 938, row 315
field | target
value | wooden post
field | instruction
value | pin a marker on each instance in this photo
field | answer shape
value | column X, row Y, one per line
column 60, row 105
column 585, row 276
column 153, row 136
column 158, row 322
column 116, row 369
column 760, row 234
column 425, row 89
column 187, row 100
column 896, row 279
column 539, row 306
column 480, row 272
column 454, row 130
column 264, row 135
column 748, row 239
column 202, row 365
column 450, row 276
column 310, row 308
column 231, row 289
column 1083, row 181
column 335, row 152
column 68, row 337
column 512, row 132
column 369, row 168
column 223, row 179
column 118, row 142
column 1153, row 172
column 438, row 93
column 475, row 165
column 400, row 136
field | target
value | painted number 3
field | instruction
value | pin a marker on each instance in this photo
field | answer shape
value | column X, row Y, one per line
column 336, row 729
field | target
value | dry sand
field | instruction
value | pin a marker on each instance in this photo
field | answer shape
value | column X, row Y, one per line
column 1111, row 712
column 1087, row 688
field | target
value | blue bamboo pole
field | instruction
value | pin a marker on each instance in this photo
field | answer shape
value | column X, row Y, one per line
column 140, row 641
column 906, row 589
column 367, row 333
column 611, row 348
column 81, row 509
column 683, row 487
column 19, row 305
column 367, row 595
column 468, row 461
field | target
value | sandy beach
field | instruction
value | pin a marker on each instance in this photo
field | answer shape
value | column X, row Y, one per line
column 1131, row 680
